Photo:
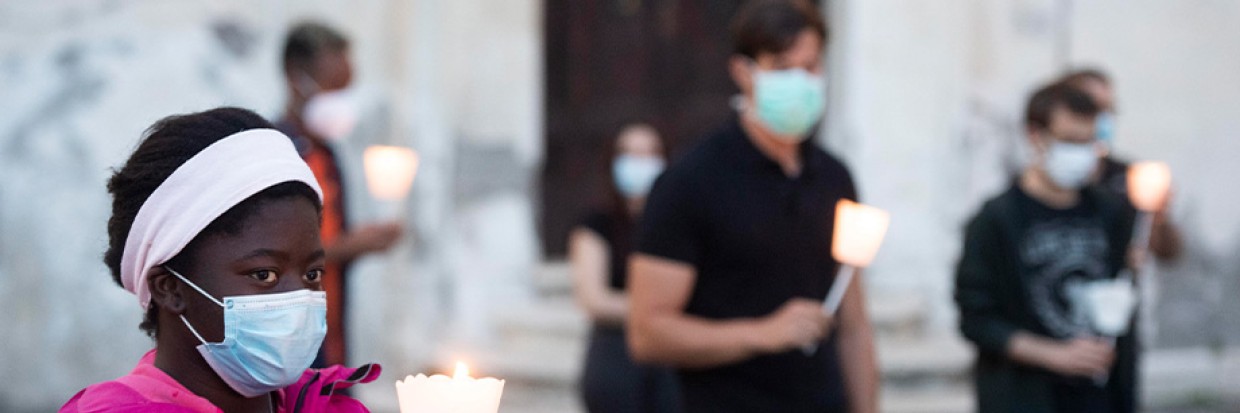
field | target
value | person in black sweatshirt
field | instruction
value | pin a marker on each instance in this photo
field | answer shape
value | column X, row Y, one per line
column 1025, row 254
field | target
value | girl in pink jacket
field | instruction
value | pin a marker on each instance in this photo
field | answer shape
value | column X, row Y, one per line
column 215, row 230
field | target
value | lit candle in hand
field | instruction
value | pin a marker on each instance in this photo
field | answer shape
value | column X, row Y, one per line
column 390, row 171
column 442, row 394
column 859, row 231
column 1148, row 185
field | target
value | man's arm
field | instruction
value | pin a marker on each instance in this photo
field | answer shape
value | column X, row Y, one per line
column 856, row 351
column 1165, row 240
column 364, row 240
column 660, row 331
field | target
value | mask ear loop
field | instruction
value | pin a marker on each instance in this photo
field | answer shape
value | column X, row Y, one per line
column 200, row 291
column 194, row 286
column 192, row 330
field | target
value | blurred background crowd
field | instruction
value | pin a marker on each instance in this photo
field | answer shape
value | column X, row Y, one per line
column 514, row 108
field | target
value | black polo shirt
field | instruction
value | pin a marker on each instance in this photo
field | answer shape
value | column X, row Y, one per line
column 756, row 239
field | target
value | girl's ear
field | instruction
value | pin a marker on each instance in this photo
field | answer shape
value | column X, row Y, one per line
column 165, row 290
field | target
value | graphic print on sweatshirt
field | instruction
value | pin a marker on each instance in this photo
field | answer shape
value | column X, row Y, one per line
column 1058, row 255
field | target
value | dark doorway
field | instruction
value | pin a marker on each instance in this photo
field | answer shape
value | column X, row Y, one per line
column 612, row 62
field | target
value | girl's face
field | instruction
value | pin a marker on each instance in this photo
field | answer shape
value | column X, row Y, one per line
column 277, row 250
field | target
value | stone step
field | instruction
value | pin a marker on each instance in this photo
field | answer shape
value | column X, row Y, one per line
column 1195, row 376
column 560, row 316
column 548, row 360
column 554, row 316
column 893, row 313
column 522, row 397
column 956, row 398
column 553, row 278
column 901, row 314
column 541, row 377
column 929, row 360
column 939, row 360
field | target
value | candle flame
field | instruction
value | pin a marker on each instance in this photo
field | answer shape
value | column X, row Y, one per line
column 462, row 371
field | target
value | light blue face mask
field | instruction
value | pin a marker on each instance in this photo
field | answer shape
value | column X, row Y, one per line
column 635, row 175
column 790, row 102
column 269, row 339
column 1104, row 126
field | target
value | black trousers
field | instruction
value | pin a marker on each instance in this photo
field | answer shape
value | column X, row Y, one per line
column 612, row 383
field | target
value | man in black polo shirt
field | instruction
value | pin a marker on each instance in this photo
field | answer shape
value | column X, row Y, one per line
column 1027, row 256
column 734, row 256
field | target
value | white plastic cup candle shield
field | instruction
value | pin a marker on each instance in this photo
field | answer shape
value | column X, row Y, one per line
column 390, row 171
column 1148, row 184
column 859, row 231
column 442, row 394
column 1109, row 304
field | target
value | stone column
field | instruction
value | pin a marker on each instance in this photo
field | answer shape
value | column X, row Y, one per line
column 467, row 95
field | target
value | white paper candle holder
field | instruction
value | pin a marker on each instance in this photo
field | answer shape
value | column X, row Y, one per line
column 442, row 394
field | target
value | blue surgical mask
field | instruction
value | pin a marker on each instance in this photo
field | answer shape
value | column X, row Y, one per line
column 269, row 339
column 1104, row 126
column 789, row 102
column 635, row 175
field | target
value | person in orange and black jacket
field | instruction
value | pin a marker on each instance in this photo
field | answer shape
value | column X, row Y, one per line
column 319, row 112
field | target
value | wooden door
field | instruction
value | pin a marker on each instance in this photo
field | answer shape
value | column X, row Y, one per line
column 611, row 62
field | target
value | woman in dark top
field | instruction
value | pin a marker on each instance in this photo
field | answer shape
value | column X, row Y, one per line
column 598, row 252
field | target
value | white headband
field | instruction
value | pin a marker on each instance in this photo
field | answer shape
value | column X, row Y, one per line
column 199, row 191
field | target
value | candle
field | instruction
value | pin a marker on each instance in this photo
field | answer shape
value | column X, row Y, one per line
column 859, row 231
column 442, row 394
column 1148, row 185
column 389, row 171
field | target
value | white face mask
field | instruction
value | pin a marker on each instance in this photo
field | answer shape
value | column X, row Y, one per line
column 331, row 115
column 634, row 175
column 1070, row 165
